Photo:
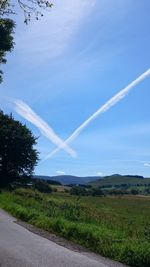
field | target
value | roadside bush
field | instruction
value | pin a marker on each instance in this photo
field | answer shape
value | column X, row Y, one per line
column 28, row 193
column 42, row 186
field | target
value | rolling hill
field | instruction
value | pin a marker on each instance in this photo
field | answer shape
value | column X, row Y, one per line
column 117, row 179
column 68, row 179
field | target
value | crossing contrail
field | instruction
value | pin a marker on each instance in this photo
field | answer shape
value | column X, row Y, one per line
column 26, row 112
column 114, row 100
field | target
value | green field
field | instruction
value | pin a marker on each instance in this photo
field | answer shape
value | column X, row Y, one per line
column 115, row 227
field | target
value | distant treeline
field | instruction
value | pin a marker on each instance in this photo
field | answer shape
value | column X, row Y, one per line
column 123, row 185
column 84, row 190
column 52, row 182
column 42, row 185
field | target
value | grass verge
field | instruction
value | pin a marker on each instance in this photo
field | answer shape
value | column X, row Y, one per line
column 117, row 228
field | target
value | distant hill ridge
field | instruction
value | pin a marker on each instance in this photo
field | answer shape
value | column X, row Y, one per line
column 68, row 179
column 117, row 179
column 96, row 180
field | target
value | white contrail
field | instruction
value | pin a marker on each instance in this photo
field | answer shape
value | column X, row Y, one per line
column 116, row 98
column 26, row 112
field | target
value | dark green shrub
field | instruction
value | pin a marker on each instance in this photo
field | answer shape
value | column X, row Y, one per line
column 42, row 186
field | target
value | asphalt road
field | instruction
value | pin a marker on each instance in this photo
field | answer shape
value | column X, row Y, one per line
column 22, row 248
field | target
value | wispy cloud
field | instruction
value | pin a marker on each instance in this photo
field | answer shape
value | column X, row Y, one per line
column 26, row 112
column 51, row 36
column 114, row 100
column 99, row 173
column 60, row 172
column 147, row 164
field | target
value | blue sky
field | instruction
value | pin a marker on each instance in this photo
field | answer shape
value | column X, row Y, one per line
column 67, row 65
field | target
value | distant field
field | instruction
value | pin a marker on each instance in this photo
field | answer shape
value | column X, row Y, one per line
column 118, row 180
column 115, row 227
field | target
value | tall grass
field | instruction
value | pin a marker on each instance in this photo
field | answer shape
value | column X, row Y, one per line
column 117, row 228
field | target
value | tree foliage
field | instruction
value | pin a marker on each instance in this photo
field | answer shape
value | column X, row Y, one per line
column 29, row 8
column 42, row 186
column 6, row 40
column 7, row 7
column 17, row 153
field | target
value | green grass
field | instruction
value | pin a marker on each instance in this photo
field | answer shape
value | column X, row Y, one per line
column 115, row 227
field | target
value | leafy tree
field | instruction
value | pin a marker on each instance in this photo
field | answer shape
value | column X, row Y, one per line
column 147, row 190
column 97, row 192
column 79, row 191
column 134, row 192
column 6, row 40
column 83, row 191
column 42, row 186
column 17, row 153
